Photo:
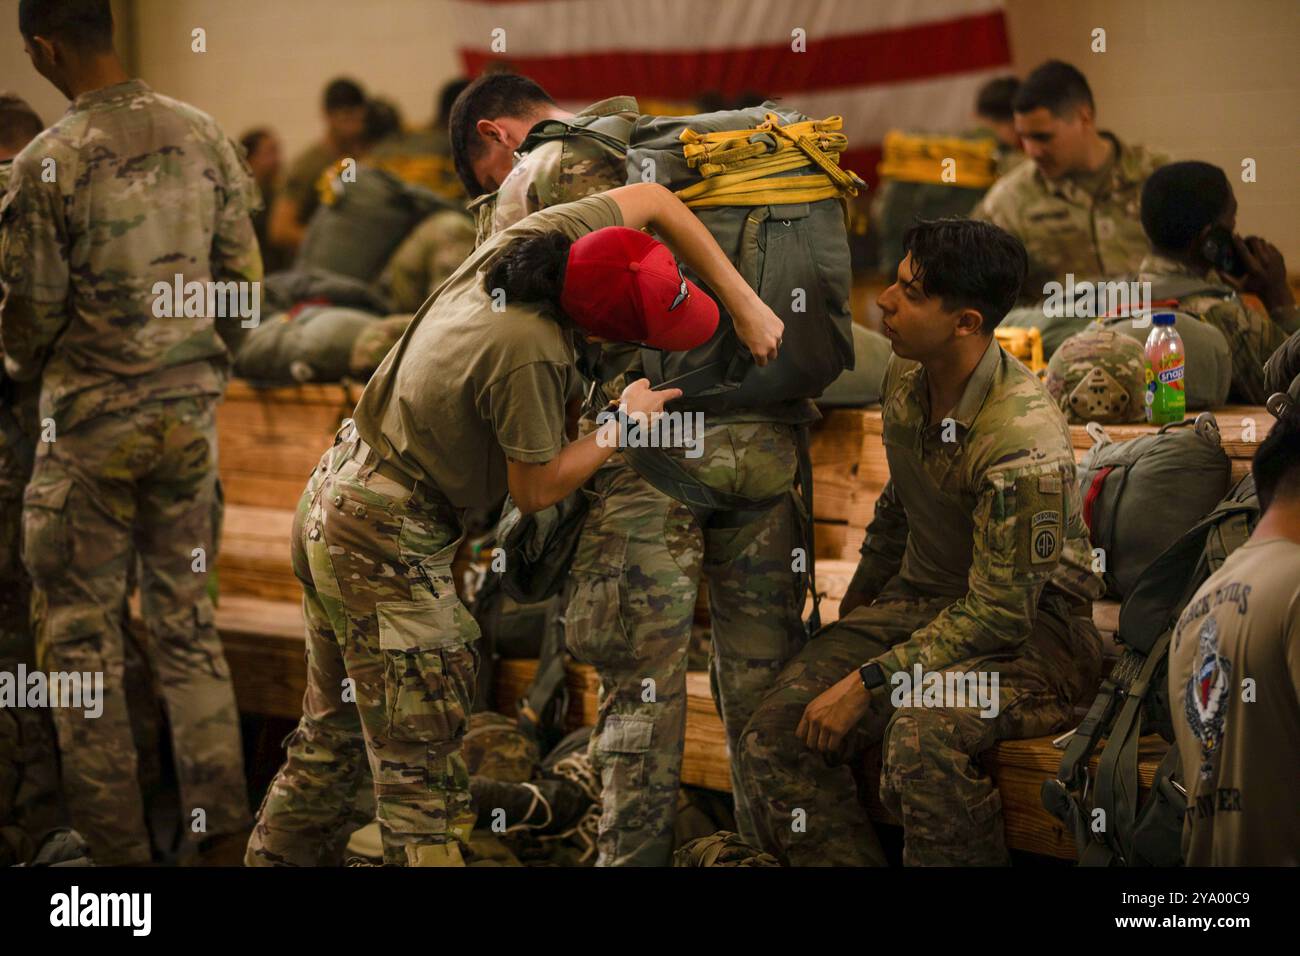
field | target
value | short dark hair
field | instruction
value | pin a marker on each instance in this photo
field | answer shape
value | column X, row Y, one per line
column 532, row 270
column 343, row 93
column 968, row 264
column 1276, row 466
column 994, row 98
column 19, row 124
column 1056, row 85
column 1181, row 199
column 447, row 98
column 82, row 24
column 253, row 139
column 490, row 96
column 383, row 119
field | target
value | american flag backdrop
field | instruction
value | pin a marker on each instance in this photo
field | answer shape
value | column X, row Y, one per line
column 881, row 64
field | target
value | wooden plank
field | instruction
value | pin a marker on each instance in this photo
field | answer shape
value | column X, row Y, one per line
column 836, row 448
column 1241, row 429
column 265, row 648
column 254, row 559
column 271, row 439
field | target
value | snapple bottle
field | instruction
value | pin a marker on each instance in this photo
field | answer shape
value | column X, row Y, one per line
column 1166, row 397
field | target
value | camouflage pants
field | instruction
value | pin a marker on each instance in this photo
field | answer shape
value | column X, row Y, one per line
column 931, row 779
column 634, row 584
column 138, row 482
column 391, row 660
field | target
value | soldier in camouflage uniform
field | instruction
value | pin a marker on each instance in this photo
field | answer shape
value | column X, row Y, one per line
column 469, row 404
column 1188, row 209
column 127, row 457
column 1099, row 375
column 29, row 771
column 977, row 561
column 1075, row 207
column 642, row 555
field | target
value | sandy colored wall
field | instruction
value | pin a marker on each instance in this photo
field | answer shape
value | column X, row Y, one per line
column 1202, row 79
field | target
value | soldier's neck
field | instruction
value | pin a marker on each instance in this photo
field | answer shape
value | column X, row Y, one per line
column 946, row 376
column 1099, row 153
column 1281, row 520
column 97, row 73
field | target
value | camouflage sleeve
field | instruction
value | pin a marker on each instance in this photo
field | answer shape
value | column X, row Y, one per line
column 1019, row 537
column 33, row 269
column 236, row 256
column 1252, row 338
column 882, row 551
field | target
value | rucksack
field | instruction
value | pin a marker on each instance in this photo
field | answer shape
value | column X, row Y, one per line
column 765, row 181
column 362, row 220
column 1110, row 828
column 1140, row 495
column 317, row 343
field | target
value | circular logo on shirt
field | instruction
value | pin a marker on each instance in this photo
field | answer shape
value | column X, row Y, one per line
column 1206, row 695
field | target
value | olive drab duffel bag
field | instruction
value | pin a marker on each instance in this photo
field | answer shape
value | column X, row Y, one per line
column 364, row 215
column 766, row 182
column 1140, row 495
column 318, row 343
column 861, row 384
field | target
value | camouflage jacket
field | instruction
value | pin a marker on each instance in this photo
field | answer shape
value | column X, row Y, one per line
column 982, row 507
column 127, row 191
column 1252, row 335
column 556, row 172
column 1064, row 229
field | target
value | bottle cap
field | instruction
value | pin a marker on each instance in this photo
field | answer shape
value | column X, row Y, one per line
column 1162, row 318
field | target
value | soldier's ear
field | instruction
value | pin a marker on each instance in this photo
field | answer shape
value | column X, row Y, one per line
column 969, row 322
column 489, row 131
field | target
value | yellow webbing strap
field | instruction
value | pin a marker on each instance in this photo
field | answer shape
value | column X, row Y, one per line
column 1024, row 344
column 919, row 158
column 742, row 167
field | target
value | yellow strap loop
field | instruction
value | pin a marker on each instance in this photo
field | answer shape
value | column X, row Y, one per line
column 743, row 167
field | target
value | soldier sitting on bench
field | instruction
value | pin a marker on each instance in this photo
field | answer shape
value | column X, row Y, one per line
column 977, row 564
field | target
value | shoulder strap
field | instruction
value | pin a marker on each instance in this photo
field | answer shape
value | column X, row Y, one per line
column 553, row 129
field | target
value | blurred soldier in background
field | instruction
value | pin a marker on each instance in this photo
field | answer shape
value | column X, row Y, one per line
column 345, row 129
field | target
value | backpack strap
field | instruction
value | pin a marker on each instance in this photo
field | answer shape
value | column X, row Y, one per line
column 1117, row 793
column 588, row 126
column 544, row 708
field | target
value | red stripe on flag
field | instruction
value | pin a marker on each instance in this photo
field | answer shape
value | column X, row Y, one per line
column 884, row 56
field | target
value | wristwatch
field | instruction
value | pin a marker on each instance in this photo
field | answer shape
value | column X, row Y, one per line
column 872, row 675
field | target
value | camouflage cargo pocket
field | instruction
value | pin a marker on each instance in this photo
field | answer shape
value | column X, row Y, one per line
column 47, row 551
column 430, row 665
column 594, row 629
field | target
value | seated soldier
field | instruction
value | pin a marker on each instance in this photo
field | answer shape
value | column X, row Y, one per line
column 1234, row 677
column 994, row 113
column 1190, row 215
column 977, row 563
column 1075, row 207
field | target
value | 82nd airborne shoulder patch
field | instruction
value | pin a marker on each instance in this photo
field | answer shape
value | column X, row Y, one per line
column 1039, row 517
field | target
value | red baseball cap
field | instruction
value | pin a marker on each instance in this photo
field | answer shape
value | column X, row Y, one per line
column 625, row 286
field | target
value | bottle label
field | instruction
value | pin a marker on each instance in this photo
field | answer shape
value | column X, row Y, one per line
column 1166, row 399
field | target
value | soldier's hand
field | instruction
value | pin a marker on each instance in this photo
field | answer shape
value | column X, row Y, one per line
column 827, row 720
column 1265, row 272
column 758, row 329
column 640, row 397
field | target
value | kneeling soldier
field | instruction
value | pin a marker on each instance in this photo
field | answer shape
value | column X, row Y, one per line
column 977, row 564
